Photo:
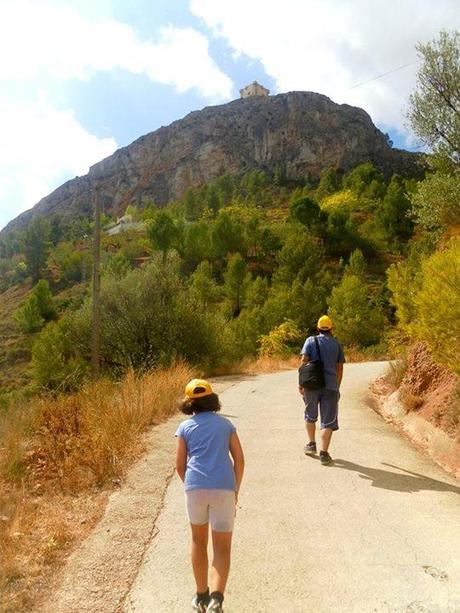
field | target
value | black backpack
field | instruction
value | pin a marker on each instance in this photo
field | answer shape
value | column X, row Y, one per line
column 311, row 374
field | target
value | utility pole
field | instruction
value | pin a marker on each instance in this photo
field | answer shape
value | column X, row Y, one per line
column 96, row 327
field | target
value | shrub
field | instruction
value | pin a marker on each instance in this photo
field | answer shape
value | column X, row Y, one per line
column 403, row 279
column 44, row 300
column 396, row 371
column 279, row 342
column 147, row 320
column 28, row 316
column 436, row 202
column 53, row 363
column 38, row 309
column 70, row 263
column 437, row 304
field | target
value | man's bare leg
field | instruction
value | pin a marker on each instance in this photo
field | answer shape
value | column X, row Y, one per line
column 326, row 435
column 311, row 430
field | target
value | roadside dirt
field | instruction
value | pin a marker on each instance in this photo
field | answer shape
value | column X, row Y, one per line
column 433, row 389
column 425, row 407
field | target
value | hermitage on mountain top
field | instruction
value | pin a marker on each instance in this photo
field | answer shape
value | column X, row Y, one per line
column 254, row 89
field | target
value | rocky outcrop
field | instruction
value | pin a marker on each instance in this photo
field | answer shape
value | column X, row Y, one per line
column 301, row 132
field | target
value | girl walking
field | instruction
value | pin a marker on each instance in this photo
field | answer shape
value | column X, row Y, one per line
column 212, row 481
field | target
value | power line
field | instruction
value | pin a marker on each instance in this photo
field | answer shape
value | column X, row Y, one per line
column 384, row 74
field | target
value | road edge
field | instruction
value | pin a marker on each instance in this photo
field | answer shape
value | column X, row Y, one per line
column 438, row 445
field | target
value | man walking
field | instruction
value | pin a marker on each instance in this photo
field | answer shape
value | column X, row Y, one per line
column 327, row 398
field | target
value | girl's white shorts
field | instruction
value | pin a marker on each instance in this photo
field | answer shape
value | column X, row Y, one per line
column 214, row 506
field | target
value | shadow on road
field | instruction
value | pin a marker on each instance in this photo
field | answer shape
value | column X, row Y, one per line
column 398, row 482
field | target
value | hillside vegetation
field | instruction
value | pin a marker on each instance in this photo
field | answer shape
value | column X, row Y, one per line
column 208, row 277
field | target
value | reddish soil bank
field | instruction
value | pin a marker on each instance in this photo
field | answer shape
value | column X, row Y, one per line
column 425, row 406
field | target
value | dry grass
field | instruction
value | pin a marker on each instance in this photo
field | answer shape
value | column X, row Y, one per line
column 57, row 458
column 368, row 354
column 411, row 401
column 396, row 371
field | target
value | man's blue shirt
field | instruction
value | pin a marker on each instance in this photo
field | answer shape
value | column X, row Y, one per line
column 331, row 353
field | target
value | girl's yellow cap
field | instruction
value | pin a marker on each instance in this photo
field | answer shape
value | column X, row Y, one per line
column 198, row 388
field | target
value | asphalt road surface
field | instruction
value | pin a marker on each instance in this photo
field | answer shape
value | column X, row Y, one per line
column 378, row 531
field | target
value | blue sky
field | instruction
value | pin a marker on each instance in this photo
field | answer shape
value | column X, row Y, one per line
column 80, row 78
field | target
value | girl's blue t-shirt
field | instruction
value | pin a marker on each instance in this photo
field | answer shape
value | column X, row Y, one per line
column 207, row 437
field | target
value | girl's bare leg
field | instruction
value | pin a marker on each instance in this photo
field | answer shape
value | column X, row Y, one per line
column 222, row 545
column 200, row 556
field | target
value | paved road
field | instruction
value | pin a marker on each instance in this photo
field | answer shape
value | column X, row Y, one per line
column 376, row 532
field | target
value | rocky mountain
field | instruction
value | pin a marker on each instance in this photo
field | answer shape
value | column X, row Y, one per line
column 300, row 132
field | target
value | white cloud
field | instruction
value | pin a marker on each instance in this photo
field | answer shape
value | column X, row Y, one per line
column 327, row 46
column 38, row 146
column 46, row 39
column 45, row 44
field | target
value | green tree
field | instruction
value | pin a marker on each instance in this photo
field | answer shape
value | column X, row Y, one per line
column 162, row 232
column 357, row 319
column 434, row 111
column 53, row 364
column 342, row 235
column 437, row 305
column 403, row 279
column 38, row 308
column 212, row 200
column 196, row 245
column 434, row 115
column 257, row 292
column 56, row 229
column 234, row 283
column 45, row 300
column 306, row 211
column 356, row 264
column 365, row 181
column 228, row 235
column 328, row 184
column 192, row 208
column 393, row 213
column 203, row 287
column 300, row 254
column 436, row 203
column 28, row 316
column 37, row 245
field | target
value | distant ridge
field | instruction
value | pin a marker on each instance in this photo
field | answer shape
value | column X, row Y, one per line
column 301, row 132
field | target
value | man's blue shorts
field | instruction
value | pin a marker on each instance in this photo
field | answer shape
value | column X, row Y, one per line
column 328, row 402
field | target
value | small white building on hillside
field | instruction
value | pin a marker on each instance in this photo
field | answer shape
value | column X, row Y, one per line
column 254, row 89
column 125, row 223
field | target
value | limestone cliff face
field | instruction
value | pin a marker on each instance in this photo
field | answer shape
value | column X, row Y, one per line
column 301, row 132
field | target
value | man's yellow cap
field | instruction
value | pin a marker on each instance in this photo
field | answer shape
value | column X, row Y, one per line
column 198, row 388
column 324, row 323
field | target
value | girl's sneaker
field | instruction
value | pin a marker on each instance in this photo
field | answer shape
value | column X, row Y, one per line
column 214, row 606
column 310, row 448
column 200, row 604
